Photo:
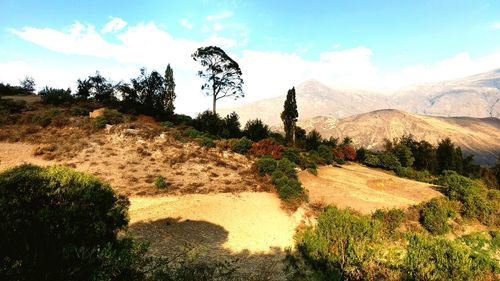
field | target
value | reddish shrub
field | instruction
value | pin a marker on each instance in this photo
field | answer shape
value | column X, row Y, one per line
column 266, row 147
column 349, row 152
column 338, row 153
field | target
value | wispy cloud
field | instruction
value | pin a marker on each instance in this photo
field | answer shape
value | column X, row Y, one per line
column 114, row 25
column 220, row 16
column 186, row 24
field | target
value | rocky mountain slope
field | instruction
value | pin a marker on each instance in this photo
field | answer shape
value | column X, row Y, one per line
column 474, row 96
column 479, row 136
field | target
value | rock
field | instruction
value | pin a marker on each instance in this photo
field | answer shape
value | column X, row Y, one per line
column 96, row 113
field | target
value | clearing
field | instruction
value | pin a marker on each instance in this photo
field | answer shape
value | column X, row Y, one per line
column 364, row 189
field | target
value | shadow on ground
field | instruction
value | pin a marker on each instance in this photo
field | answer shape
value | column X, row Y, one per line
column 201, row 241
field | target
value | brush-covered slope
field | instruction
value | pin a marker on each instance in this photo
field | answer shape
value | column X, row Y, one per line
column 479, row 136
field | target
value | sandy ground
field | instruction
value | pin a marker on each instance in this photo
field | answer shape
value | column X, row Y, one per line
column 364, row 189
column 249, row 221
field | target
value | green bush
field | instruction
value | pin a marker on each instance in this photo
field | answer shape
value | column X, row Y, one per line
column 410, row 173
column 99, row 122
column 372, row 160
column 286, row 168
column 113, row 116
column 288, row 188
column 473, row 196
column 291, row 154
column 55, row 96
column 340, row 246
column 256, row 130
column 206, row 141
column 434, row 216
column 208, row 122
column 12, row 106
column 434, row 258
column 389, row 161
column 390, row 219
column 266, row 165
column 192, row 133
column 58, row 224
column 325, row 154
column 161, row 182
column 167, row 124
column 79, row 111
column 242, row 145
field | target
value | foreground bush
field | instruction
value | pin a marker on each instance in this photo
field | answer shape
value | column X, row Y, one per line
column 432, row 258
column 340, row 246
column 58, row 224
column 390, row 219
column 242, row 145
column 434, row 216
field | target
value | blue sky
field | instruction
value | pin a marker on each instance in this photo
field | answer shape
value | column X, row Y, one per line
column 378, row 45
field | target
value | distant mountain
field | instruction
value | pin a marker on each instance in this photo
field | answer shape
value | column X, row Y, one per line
column 478, row 136
column 474, row 96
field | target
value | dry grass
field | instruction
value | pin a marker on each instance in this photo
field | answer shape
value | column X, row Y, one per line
column 364, row 189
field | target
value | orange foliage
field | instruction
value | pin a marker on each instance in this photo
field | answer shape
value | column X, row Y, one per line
column 338, row 153
column 266, row 147
column 349, row 152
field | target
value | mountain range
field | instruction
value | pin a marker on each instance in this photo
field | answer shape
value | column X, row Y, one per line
column 474, row 96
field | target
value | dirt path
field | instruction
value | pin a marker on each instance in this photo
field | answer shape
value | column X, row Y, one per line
column 364, row 189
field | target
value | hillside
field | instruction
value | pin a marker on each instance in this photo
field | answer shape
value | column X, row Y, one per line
column 479, row 136
column 474, row 96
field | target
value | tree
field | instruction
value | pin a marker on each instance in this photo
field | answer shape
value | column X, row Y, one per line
column 150, row 90
column 256, row 130
column 169, row 91
column 290, row 115
column 313, row 140
column 231, row 126
column 446, row 155
column 96, row 87
column 28, row 84
column 222, row 74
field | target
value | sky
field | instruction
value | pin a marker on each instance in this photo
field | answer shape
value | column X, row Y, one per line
column 371, row 45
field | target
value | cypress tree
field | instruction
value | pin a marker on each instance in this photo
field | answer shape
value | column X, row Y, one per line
column 169, row 91
column 290, row 115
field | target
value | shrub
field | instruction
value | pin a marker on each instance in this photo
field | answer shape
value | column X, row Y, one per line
column 390, row 219
column 361, row 154
column 55, row 96
column 206, row 141
column 208, row 122
column 372, row 160
column 242, row 145
column 288, row 188
column 160, row 182
column 266, row 165
column 231, row 126
column 256, row 130
column 389, row 161
column 349, row 152
column 113, row 116
column 434, row 258
column 284, row 167
column 291, row 154
column 340, row 246
column 53, row 116
column 79, row 111
column 313, row 140
column 266, row 147
column 404, row 155
column 408, row 172
column 325, row 154
column 99, row 122
column 192, row 132
column 59, row 224
column 181, row 119
column 12, row 106
column 434, row 216
column 167, row 124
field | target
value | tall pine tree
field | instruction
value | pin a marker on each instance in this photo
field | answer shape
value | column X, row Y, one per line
column 290, row 115
column 169, row 91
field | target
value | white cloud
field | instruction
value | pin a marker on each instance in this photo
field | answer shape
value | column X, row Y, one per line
column 114, row 25
column 186, row 24
column 220, row 16
column 266, row 74
column 218, row 27
column 496, row 25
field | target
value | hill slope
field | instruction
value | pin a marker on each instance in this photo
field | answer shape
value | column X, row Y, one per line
column 479, row 136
